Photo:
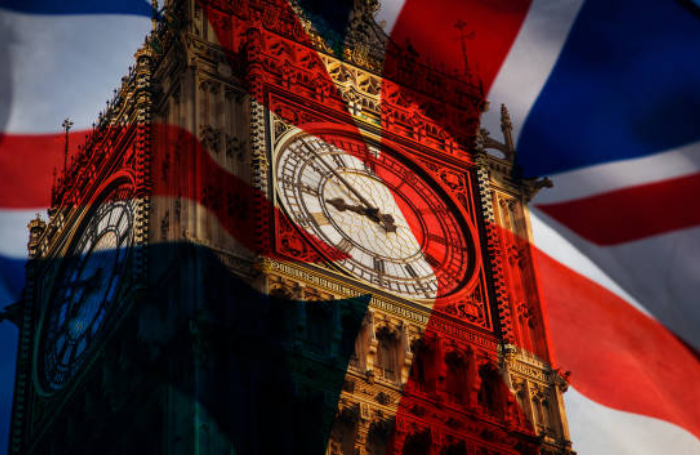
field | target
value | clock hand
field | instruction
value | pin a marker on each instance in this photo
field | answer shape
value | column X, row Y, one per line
column 370, row 210
column 94, row 280
column 372, row 213
column 337, row 174
column 90, row 283
column 388, row 222
column 340, row 204
column 343, row 188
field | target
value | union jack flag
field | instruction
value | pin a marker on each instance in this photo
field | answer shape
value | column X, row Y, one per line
column 604, row 100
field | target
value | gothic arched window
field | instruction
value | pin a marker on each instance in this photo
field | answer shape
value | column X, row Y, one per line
column 354, row 348
column 417, row 443
column 522, row 398
column 457, row 379
column 319, row 325
column 490, row 393
column 281, row 318
column 387, row 355
column 424, row 370
column 344, row 432
column 378, row 437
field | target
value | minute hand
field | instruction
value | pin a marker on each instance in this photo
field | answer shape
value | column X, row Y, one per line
column 373, row 212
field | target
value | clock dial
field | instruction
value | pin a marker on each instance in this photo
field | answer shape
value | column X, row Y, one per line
column 85, row 291
column 395, row 227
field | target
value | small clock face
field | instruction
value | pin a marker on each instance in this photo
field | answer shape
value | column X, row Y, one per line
column 85, row 291
column 395, row 227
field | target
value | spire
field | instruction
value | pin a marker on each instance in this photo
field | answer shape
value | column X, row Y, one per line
column 507, row 128
column 154, row 14
column 36, row 227
column 67, row 125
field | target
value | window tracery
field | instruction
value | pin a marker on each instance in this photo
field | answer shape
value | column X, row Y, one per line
column 386, row 364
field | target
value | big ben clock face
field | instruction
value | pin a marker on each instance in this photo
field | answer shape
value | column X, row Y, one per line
column 396, row 229
column 85, row 291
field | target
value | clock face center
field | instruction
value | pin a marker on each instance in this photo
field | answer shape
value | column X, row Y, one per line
column 354, row 218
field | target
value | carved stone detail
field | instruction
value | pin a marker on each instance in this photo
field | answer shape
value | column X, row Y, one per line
column 210, row 138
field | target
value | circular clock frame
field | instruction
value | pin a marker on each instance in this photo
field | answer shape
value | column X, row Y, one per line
column 392, row 185
column 81, row 291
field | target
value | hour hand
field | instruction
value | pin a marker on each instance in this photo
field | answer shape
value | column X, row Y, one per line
column 388, row 222
column 372, row 213
column 377, row 216
column 92, row 282
column 340, row 204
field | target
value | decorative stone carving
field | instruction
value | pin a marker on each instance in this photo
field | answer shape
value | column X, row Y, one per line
column 209, row 137
column 235, row 147
column 211, row 198
column 383, row 398
column 165, row 225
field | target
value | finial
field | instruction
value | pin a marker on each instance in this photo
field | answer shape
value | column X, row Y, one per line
column 67, row 125
column 463, row 37
column 507, row 128
column 36, row 227
column 154, row 14
column 505, row 117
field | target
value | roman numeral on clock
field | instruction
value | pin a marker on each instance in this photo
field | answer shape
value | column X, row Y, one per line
column 379, row 266
column 434, row 263
column 437, row 238
column 304, row 221
column 122, row 238
column 338, row 161
column 314, row 218
column 287, row 180
column 345, row 246
column 308, row 189
column 379, row 270
column 320, row 218
column 410, row 271
column 319, row 171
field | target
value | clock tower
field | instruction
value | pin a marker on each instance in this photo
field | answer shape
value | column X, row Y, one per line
column 282, row 238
